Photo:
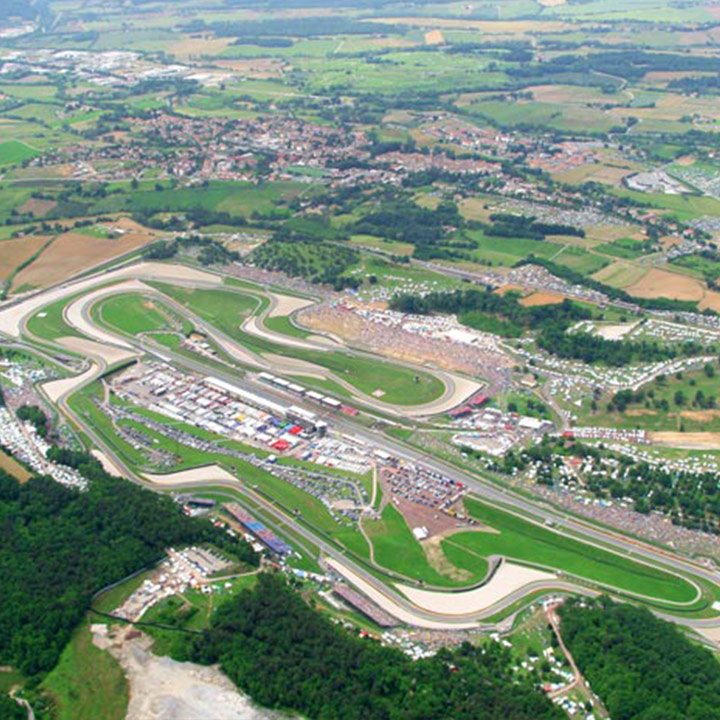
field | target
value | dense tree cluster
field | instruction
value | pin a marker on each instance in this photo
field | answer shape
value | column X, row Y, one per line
column 10, row 710
column 628, row 64
column 428, row 230
column 211, row 251
column 286, row 655
column 641, row 667
column 591, row 348
column 702, row 84
column 34, row 415
column 506, row 307
column 58, row 546
column 521, row 226
column 314, row 261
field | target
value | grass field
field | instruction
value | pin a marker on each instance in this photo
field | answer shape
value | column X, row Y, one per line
column 620, row 274
column 387, row 246
column 235, row 198
column 323, row 384
column 522, row 540
column 283, row 325
column 87, row 682
column 10, row 465
column 134, row 314
column 560, row 116
column 48, row 323
column 13, row 152
column 507, row 251
column 396, row 549
column 581, row 260
column 685, row 207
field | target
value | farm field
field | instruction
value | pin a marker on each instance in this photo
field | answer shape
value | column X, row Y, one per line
column 14, row 253
column 72, row 253
column 663, row 283
column 12, row 466
column 507, row 251
column 543, row 114
column 13, row 152
column 621, row 275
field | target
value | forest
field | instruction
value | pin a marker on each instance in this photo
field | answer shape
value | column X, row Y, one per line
column 521, row 226
column 286, row 655
column 405, row 221
column 10, row 710
column 629, row 64
column 313, row 261
column 641, row 667
column 59, row 546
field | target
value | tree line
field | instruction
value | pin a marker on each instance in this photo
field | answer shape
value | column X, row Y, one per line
column 641, row 667
column 286, row 655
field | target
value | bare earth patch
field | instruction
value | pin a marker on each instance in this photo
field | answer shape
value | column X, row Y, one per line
column 108, row 465
column 15, row 252
column 542, row 298
column 258, row 68
column 616, row 332
column 700, row 415
column 432, row 547
column 190, row 47
column 434, row 37
column 688, row 440
column 640, row 412
column 163, row 689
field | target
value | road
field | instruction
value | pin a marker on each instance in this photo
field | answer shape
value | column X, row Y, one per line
column 483, row 488
column 486, row 490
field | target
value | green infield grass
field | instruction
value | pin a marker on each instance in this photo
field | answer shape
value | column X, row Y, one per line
column 396, row 549
column 392, row 383
column 133, row 314
column 520, row 539
column 48, row 323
